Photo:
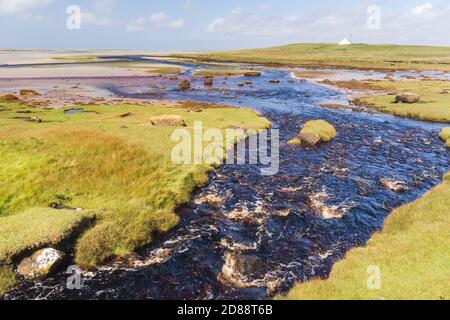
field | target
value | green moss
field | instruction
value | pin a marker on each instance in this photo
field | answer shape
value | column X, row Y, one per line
column 323, row 129
column 295, row 142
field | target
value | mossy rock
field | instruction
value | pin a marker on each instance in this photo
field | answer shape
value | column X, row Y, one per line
column 323, row 129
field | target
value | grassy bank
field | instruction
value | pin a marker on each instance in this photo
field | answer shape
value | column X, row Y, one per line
column 360, row 56
column 445, row 135
column 412, row 253
column 433, row 106
column 109, row 161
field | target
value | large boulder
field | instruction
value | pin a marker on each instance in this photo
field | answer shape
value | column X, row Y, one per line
column 252, row 74
column 9, row 98
column 185, row 85
column 209, row 81
column 407, row 97
column 309, row 139
column 168, row 121
column 321, row 128
column 41, row 264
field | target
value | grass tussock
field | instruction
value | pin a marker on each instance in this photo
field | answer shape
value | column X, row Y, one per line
column 412, row 253
column 323, row 129
column 118, row 167
column 7, row 278
column 445, row 135
column 37, row 227
column 434, row 104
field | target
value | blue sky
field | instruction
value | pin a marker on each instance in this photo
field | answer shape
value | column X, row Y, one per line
column 202, row 24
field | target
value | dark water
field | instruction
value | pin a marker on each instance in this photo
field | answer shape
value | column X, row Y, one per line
column 266, row 233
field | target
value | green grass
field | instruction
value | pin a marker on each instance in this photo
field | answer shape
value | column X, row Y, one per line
column 7, row 279
column 360, row 56
column 434, row 104
column 120, row 168
column 321, row 128
column 37, row 227
column 412, row 253
column 165, row 70
column 445, row 135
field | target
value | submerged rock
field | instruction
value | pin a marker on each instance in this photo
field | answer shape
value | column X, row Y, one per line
column 408, row 97
column 168, row 121
column 239, row 263
column 274, row 81
column 185, row 85
column 317, row 202
column 211, row 199
column 41, row 264
column 396, row 186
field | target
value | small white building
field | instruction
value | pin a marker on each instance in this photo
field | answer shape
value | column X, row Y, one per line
column 344, row 42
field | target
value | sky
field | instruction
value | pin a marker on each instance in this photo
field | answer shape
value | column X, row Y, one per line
column 218, row 25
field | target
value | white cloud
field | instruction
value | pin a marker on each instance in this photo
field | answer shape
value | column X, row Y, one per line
column 14, row 7
column 188, row 4
column 254, row 25
column 104, row 6
column 177, row 24
column 159, row 20
column 417, row 11
column 137, row 25
column 94, row 19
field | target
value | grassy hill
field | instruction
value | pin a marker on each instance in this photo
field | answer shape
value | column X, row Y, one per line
column 360, row 56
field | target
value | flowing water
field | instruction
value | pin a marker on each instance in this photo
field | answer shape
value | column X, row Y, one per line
column 249, row 236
